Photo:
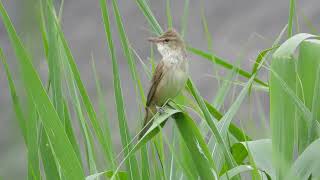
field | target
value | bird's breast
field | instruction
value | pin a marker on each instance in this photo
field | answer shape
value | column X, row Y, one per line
column 172, row 83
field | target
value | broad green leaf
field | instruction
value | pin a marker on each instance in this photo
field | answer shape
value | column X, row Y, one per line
column 307, row 163
column 283, row 100
column 196, row 145
column 187, row 165
column 261, row 152
column 307, row 68
column 286, row 50
column 282, row 114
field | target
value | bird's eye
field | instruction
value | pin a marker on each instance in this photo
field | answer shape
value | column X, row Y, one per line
column 166, row 40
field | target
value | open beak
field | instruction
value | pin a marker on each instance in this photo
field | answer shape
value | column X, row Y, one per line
column 154, row 39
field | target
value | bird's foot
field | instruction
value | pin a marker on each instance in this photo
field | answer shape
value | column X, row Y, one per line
column 160, row 110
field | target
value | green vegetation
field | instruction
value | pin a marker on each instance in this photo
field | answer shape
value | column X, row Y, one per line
column 214, row 148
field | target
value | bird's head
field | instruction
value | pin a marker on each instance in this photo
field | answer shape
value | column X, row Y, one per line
column 168, row 42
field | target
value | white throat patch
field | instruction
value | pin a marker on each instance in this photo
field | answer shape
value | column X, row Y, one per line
column 168, row 54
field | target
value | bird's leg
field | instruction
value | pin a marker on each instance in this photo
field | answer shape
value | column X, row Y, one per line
column 160, row 110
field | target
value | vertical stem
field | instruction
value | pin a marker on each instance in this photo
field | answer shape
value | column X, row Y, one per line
column 290, row 20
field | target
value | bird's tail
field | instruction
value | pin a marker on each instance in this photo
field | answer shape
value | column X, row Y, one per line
column 150, row 112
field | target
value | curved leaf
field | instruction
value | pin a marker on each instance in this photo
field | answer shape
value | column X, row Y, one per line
column 307, row 163
column 261, row 152
column 235, row 171
column 287, row 48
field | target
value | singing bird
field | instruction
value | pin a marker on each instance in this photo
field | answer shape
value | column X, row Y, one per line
column 170, row 75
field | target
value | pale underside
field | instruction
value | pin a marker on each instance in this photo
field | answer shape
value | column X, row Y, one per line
column 169, row 79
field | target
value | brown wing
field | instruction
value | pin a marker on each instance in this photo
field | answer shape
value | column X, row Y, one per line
column 157, row 76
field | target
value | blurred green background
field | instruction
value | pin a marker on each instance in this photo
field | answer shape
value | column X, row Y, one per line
column 239, row 30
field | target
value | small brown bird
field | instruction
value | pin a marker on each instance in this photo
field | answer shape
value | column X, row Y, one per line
column 170, row 75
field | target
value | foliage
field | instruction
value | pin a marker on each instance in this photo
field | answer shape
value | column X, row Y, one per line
column 214, row 148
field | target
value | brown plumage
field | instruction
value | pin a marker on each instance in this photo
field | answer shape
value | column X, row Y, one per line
column 169, row 76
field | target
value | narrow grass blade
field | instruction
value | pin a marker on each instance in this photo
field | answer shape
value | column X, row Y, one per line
column 212, row 125
column 84, row 94
column 103, row 110
column 54, row 59
column 88, row 140
column 234, row 130
column 70, row 130
column 15, row 98
column 158, row 122
column 224, row 123
column 51, row 48
column 291, row 17
column 227, row 118
column 127, row 50
column 131, row 164
column 184, row 21
column 222, row 92
column 65, row 156
column 224, row 64
column 157, row 29
column 260, row 58
column 122, row 175
column 145, row 166
column 32, row 136
column 168, row 13
column 236, row 171
column 149, row 15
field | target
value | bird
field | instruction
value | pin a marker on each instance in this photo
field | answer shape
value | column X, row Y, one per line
column 169, row 77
